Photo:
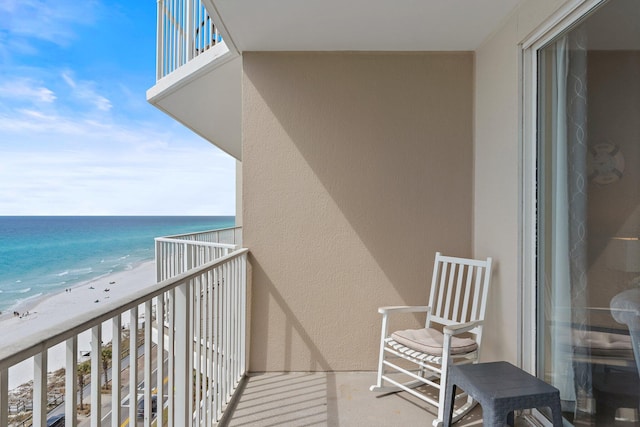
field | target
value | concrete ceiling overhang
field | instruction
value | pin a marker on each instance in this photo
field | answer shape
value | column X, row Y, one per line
column 205, row 94
column 361, row 25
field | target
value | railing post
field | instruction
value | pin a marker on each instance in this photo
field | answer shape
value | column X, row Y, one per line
column 217, row 342
column 197, row 330
column 116, row 367
column 4, row 397
column 160, row 262
column 173, row 41
column 71, row 381
column 210, row 344
column 147, row 362
column 190, row 33
column 226, row 292
column 245, row 347
column 160, row 358
column 40, row 389
column 188, row 262
column 96, row 359
column 171, row 389
column 133, row 363
column 160, row 41
column 183, row 355
column 191, row 350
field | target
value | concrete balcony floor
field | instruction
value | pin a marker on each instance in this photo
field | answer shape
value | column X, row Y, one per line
column 329, row 399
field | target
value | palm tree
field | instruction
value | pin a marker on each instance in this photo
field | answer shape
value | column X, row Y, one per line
column 106, row 358
column 84, row 369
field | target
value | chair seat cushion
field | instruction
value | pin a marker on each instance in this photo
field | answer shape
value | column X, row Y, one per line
column 430, row 341
column 602, row 344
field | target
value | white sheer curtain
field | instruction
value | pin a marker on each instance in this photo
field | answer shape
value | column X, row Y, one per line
column 559, row 287
column 566, row 287
column 577, row 171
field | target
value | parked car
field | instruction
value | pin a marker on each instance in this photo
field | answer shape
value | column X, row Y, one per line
column 154, row 407
column 55, row 421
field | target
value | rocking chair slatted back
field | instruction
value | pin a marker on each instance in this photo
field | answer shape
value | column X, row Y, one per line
column 458, row 290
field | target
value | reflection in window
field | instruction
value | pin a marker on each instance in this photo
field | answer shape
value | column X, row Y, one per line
column 589, row 216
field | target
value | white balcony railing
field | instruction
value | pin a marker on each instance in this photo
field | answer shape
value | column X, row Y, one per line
column 180, row 253
column 185, row 30
column 229, row 236
column 201, row 343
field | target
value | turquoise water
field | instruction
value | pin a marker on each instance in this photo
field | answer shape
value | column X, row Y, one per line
column 41, row 255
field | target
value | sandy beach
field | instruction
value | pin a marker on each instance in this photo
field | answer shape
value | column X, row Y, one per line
column 57, row 308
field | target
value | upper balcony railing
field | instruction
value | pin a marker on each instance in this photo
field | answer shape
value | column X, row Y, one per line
column 185, row 30
column 194, row 322
column 180, row 253
column 228, row 236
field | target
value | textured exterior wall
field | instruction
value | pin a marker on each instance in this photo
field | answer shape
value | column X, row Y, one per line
column 238, row 193
column 497, row 171
column 357, row 168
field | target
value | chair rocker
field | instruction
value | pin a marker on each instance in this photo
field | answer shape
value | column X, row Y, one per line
column 457, row 303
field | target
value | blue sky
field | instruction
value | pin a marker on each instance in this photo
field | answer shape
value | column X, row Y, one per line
column 77, row 136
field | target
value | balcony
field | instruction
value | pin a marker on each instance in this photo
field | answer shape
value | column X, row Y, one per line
column 193, row 51
column 194, row 320
column 185, row 31
column 203, row 90
column 200, row 304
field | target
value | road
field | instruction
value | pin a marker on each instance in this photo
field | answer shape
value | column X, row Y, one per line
column 106, row 397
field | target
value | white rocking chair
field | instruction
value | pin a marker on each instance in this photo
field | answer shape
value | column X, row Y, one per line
column 457, row 303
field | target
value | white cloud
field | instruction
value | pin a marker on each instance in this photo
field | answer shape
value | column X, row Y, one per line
column 31, row 122
column 52, row 164
column 125, row 183
column 84, row 91
column 25, row 89
column 46, row 20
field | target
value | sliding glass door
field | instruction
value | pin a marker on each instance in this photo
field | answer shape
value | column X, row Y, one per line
column 588, row 216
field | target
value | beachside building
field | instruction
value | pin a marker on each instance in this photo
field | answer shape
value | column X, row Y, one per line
column 369, row 135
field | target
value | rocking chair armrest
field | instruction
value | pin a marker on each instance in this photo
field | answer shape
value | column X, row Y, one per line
column 461, row 327
column 404, row 309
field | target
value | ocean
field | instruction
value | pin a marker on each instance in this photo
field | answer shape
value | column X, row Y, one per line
column 41, row 255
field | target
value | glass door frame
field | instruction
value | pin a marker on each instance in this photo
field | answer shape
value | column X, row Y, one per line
column 570, row 13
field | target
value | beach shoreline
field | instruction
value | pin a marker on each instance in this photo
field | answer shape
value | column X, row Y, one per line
column 56, row 308
column 29, row 304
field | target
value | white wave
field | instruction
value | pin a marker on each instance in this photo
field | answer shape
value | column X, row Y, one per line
column 23, row 300
column 18, row 291
column 53, row 285
column 85, row 270
column 123, row 257
column 18, row 281
column 64, row 273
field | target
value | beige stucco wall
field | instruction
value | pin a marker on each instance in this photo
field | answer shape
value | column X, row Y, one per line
column 356, row 169
column 239, row 220
column 497, row 170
